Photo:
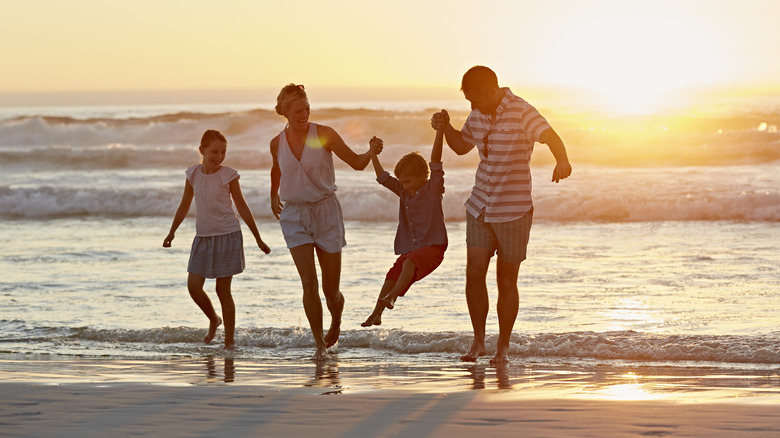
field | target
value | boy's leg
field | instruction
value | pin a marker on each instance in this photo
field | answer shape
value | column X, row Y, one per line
column 303, row 256
column 330, row 264
column 376, row 316
column 228, row 310
column 404, row 280
column 195, row 287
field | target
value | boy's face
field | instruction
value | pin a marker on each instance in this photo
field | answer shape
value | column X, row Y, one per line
column 412, row 183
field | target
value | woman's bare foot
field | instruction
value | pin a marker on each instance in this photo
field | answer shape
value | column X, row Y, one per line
column 321, row 354
column 477, row 350
column 212, row 330
column 332, row 337
column 499, row 359
column 373, row 319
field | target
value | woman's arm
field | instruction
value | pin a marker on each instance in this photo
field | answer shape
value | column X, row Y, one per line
column 276, row 177
column 332, row 141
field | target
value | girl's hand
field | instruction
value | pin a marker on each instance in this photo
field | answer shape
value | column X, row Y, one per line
column 276, row 206
column 265, row 248
column 168, row 240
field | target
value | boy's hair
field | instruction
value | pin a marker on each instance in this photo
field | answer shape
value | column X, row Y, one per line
column 412, row 164
column 289, row 93
column 479, row 78
column 209, row 136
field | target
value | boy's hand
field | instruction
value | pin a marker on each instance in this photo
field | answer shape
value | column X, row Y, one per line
column 440, row 120
column 376, row 145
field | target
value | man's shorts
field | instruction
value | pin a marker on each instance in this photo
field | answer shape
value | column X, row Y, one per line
column 425, row 259
column 508, row 239
column 320, row 223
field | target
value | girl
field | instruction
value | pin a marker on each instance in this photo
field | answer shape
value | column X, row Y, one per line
column 218, row 247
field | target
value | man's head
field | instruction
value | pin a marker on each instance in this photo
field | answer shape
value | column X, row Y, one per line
column 480, row 87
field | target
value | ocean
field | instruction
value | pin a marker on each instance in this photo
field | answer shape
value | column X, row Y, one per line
column 661, row 249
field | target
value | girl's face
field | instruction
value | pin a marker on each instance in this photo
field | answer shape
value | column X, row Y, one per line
column 213, row 154
column 298, row 114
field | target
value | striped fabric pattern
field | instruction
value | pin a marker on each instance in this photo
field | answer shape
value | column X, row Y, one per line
column 502, row 186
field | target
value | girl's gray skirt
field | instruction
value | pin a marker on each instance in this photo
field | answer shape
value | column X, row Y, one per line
column 217, row 256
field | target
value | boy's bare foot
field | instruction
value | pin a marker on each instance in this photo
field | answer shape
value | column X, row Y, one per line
column 321, row 354
column 373, row 319
column 477, row 350
column 387, row 302
column 212, row 330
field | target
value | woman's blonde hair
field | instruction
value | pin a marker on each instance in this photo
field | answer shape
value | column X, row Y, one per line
column 289, row 93
column 412, row 164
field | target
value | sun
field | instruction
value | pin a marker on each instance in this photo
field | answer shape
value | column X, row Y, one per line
column 633, row 58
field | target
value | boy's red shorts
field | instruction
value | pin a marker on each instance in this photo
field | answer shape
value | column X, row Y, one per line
column 425, row 259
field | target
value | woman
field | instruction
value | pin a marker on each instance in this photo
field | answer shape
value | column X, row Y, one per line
column 303, row 177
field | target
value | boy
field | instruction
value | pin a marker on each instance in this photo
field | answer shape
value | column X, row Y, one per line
column 421, row 238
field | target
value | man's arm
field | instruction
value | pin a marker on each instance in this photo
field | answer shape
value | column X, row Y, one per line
column 553, row 141
column 441, row 122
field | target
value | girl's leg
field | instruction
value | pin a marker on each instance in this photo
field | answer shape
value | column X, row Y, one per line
column 228, row 310
column 404, row 279
column 195, row 287
column 303, row 256
column 376, row 316
column 330, row 263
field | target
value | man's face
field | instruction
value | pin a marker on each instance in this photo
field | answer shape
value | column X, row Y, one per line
column 484, row 101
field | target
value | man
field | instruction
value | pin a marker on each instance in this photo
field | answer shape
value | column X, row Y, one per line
column 499, row 211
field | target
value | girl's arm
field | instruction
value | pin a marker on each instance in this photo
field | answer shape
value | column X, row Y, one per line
column 276, row 176
column 246, row 213
column 331, row 140
column 181, row 213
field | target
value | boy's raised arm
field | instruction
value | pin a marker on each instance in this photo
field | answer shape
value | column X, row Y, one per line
column 437, row 147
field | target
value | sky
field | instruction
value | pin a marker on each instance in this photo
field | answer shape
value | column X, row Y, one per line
column 630, row 51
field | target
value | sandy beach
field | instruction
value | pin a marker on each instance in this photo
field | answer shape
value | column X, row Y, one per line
column 218, row 396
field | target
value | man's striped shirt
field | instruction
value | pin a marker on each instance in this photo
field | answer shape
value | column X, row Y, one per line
column 502, row 186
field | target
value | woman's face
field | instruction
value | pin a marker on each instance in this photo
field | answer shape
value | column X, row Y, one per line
column 298, row 114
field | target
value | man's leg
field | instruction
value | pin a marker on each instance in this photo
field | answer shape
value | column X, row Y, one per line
column 477, row 262
column 507, row 305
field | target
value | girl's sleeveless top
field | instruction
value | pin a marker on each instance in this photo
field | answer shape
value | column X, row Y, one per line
column 311, row 179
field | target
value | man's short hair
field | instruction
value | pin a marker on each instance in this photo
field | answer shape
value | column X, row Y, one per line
column 479, row 78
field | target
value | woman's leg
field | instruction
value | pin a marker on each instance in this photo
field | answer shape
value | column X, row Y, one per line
column 330, row 264
column 303, row 256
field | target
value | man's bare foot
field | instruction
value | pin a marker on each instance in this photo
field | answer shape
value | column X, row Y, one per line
column 332, row 337
column 477, row 350
column 499, row 359
column 230, row 346
column 321, row 354
column 373, row 319
column 387, row 302
column 212, row 330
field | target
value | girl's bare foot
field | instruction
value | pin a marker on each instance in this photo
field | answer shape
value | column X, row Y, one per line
column 212, row 330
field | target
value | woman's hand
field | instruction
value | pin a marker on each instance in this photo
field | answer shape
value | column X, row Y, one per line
column 276, row 206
